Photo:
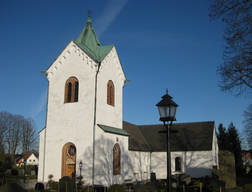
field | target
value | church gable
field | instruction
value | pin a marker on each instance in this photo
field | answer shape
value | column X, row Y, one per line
column 67, row 57
column 112, row 57
column 110, row 81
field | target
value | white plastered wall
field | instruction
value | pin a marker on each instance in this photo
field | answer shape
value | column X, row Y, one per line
column 215, row 150
column 110, row 70
column 68, row 122
column 141, row 165
column 32, row 160
column 104, row 158
column 41, row 154
column 73, row 122
column 194, row 163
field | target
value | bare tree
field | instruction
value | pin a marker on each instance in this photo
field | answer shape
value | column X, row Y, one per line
column 4, row 120
column 236, row 70
column 13, row 135
column 17, row 133
column 29, row 137
column 248, row 125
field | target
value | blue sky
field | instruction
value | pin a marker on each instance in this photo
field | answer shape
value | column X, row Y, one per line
column 161, row 44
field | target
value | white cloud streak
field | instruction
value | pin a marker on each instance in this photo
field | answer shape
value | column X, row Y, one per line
column 102, row 23
column 108, row 16
column 40, row 104
column 156, row 38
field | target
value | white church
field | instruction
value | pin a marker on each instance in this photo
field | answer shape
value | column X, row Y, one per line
column 84, row 122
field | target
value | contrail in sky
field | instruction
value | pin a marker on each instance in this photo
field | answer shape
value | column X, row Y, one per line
column 107, row 17
column 101, row 23
column 40, row 105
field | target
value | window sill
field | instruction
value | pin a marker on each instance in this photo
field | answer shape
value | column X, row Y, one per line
column 178, row 172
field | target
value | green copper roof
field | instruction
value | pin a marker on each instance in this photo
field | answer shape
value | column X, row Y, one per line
column 89, row 43
column 113, row 130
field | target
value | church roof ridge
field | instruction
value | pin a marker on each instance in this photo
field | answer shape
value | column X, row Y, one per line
column 89, row 42
column 182, row 123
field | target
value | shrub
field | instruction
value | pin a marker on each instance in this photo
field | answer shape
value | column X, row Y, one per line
column 33, row 176
column 55, row 185
column 208, row 188
column 114, row 188
column 218, row 190
column 49, row 183
column 91, row 189
column 160, row 184
column 2, row 170
column 27, row 170
column 173, row 190
column 247, row 188
column 14, row 172
column 31, row 167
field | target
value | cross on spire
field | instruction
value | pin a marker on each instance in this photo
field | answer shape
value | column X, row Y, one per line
column 89, row 12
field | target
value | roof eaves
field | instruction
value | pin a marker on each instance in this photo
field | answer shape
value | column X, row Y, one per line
column 113, row 130
column 104, row 51
column 58, row 55
column 88, row 51
column 41, row 130
column 140, row 150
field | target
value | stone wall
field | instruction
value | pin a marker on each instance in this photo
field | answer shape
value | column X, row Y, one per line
column 226, row 170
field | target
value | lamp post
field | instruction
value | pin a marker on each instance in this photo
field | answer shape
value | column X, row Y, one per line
column 167, row 110
column 24, row 167
column 80, row 166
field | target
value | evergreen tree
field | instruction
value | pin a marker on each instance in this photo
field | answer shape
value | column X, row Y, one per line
column 222, row 137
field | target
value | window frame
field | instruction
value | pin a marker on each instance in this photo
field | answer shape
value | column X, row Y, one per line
column 116, row 159
column 110, row 93
column 71, row 90
column 178, row 164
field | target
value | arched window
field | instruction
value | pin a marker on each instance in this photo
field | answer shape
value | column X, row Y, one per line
column 110, row 93
column 71, row 90
column 116, row 160
column 177, row 164
column 76, row 91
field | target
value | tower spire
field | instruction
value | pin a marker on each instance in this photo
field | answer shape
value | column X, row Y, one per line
column 89, row 12
column 89, row 42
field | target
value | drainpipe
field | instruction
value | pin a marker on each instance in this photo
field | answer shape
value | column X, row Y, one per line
column 95, row 103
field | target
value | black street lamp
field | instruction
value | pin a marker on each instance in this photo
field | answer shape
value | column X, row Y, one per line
column 80, row 166
column 167, row 110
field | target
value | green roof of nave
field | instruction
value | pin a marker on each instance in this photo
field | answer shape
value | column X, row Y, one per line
column 89, row 43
